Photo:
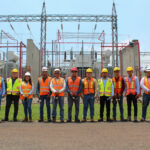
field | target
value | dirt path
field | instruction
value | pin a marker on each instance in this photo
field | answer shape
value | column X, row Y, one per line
column 87, row 136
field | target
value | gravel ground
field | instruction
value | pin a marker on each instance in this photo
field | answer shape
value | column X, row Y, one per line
column 72, row 136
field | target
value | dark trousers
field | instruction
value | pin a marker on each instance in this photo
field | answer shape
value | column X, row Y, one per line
column 132, row 98
column 120, row 102
column 70, row 104
column 9, row 100
column 146, row 101
column 104, row 100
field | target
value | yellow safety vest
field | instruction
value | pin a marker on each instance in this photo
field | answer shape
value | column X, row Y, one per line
column 14, row 90
column 105, row 91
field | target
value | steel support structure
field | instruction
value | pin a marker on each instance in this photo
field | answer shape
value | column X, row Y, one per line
column 44, row 18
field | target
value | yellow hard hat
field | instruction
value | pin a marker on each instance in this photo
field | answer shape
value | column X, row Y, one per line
column 104, row 70
column 15, row 70
column 116, row 69
column 129, row 69
column 89, row 70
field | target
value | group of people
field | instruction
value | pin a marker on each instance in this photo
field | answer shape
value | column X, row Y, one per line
column 106, row 89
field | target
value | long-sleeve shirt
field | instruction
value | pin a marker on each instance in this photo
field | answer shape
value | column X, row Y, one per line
column 38, row 86
column 59, row 91
column 137, row 85
column 104, row 82
column 3, row 91
column 143, row 86
column 31, row 91
column 80, row 86
column 95, row 86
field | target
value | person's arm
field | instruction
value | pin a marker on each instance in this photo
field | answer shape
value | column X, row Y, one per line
column 95, row 87
column 112, row 89
column 137, row 85
column 123, row 85
column 51, row 87
column 21, row 90
column 64, row 87
column 80, row 87
column 67, row 87
column 37, row 88
column 143, row 86
column 125, row 88
column 32, row 90
column 3, row 87
column 98, row 89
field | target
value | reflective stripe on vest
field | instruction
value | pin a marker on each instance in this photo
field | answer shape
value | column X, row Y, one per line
column 58, row 85
column 105, row 91
column 147, row 84
column 89, row 87
column 26, row 90
column 74, row 86
column 131, row 88
column 14, row 90
column 117, row 85
column 44, row 86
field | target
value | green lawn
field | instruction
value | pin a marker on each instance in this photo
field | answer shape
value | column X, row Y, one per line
column 35, row 112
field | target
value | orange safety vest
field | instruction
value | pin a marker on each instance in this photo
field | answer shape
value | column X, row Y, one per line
column 0, row 83
column 74, row 86
column 88, row 86
column 44, row 85
column 117, row 85
column 26, row 90
column 147, row 84
column 131, row 88
column 58, row 85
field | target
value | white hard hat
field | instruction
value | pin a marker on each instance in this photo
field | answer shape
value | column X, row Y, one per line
column 27, row 74
column 44, row 69
column 147, row 70
column 57, row 70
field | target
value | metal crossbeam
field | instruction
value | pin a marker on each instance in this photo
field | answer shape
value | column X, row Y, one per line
column 57, row 18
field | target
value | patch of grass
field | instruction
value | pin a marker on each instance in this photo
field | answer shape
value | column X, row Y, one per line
column 36, row 112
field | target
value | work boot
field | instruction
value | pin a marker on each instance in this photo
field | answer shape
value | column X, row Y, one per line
column 109, row 120
column 41, row 119
column 49, row 120
column 84, row 120
column 143, row 120
column 15, row 120
column 62, row 121
column 135, row 119
column 6, row 119
column 100, row 120
column 114, row 120
column 54, row 119
column 129, row 118
column 69, row 120
column 92, row 120
column 25, row 119
column 30, row 119
column 77, row 120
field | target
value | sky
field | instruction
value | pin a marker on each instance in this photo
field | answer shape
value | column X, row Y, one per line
column 133, row 18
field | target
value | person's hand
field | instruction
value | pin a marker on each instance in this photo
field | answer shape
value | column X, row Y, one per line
column 3, row 95
column 138, row 95
column 38, row 96
column 95, row 96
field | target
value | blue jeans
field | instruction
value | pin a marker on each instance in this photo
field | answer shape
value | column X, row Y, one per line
column 120, row 102
column 88, row 100
column 146, row 100
column 60, row 100
column 70, row 104
column 42, row 98
column 0, row 101
column 27, row 107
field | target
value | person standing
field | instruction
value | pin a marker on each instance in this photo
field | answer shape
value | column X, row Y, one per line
column 106, row 93
column 58, row 86
column 119, row 86
column 145, row 85
column 43, row 92
column 89, row 94
column 132, row 90
column 74, row 88
column 26, row 95
column 13, row 87
column 2, row 89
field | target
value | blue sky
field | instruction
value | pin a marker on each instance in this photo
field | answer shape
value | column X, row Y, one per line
column 133, row 18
